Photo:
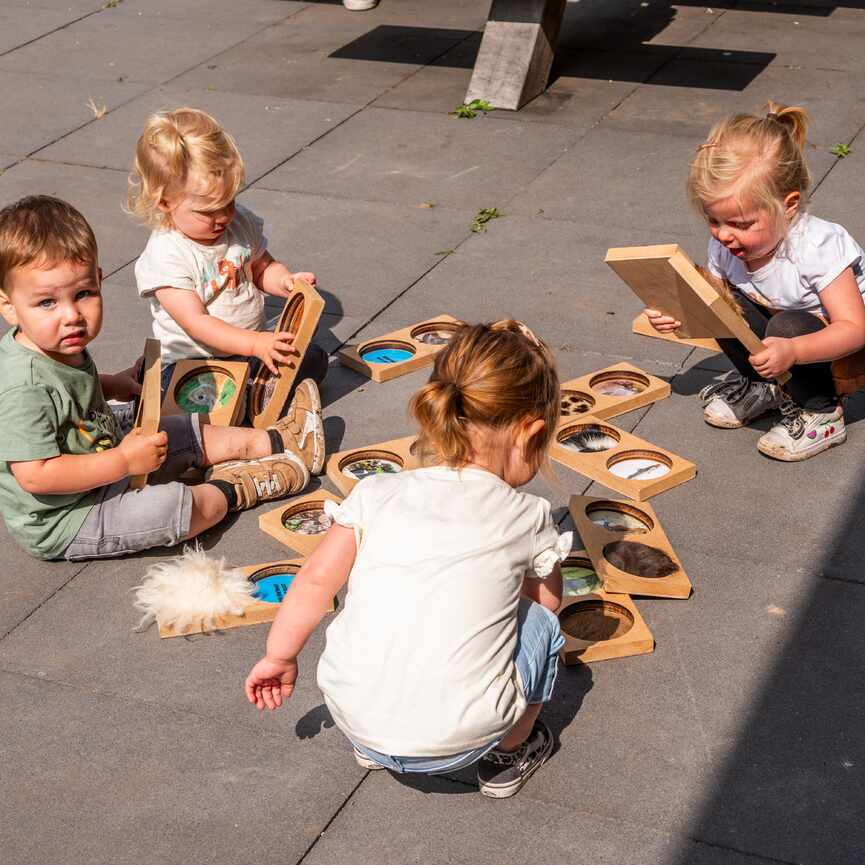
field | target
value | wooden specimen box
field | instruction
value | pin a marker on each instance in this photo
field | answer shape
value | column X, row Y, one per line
column 642, row 327
column 598, row 626
column 273, row 579
column 402, row 351
column 616, row 458
column 148, row 410
column 300, row 523
column 601, row 522
column 666, row 279
column 612, row 391
column 346, row 468
column 212, row 388
column 268, row 393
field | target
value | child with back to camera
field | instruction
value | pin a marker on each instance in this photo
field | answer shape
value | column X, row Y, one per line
column 206, row 268
column 446, row 646
column 798, row 280
column 64, row 463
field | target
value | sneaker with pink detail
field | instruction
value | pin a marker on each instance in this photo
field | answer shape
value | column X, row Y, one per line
column 803, row 434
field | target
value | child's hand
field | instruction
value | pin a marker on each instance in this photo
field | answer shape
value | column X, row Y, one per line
column 125, row 383
column 273, row 348
column 288, row 282
column 662, row 323
column 143, row 454
column 270, row 682
column 778, row 356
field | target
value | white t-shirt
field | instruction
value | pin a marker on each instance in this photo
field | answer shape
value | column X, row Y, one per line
column 813, row 254
column 419, row 662
column 221, row 275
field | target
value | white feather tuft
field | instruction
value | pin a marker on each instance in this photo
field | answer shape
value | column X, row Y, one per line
column 191, row 589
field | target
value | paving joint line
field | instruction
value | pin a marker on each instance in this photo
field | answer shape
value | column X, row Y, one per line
column 730, row 849
column 848, row 580
column 55, row 30
column 832, row 167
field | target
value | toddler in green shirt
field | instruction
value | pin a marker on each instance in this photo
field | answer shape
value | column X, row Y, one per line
column 64, row 464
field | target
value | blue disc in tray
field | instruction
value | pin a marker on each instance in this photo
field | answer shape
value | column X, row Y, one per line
column 272, row 589
column 386, row 355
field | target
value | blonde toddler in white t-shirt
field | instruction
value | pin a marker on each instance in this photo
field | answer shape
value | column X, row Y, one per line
column 446, row 645
column 206, row 268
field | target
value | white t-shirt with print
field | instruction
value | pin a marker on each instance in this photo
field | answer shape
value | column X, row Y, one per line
column 221, row 275
column 812, row 255
column 420, row 661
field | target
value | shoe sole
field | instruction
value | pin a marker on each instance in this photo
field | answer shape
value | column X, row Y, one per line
column 778, row 453
column 719, row 423
column 505, row 791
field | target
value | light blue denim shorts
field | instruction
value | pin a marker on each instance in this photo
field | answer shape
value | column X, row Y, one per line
column 539, row 639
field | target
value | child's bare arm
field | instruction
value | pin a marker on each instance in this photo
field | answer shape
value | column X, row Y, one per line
column 273, row 277
column 78, row 473
column 188, row 310
column 309, row 596
column 546, row 592
column 844, row 335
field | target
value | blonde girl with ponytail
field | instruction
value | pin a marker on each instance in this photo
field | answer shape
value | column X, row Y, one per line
column 446, row 645
column 797, row 279
column 206, row 267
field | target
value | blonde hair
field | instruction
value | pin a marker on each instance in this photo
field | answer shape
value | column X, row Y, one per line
column 489, row 377
column 756, row 160
column 45, row 231
column 174, row 145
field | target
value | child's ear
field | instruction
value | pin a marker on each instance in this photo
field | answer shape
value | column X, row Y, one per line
column 7, row 309
column 527, row 430
column 163, row 205
column 791, row 204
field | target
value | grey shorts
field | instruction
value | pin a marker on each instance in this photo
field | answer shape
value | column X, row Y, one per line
column 128, row 521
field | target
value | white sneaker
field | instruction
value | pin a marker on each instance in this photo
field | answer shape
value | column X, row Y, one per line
column 359, row 5
column 735, row 401
column 803, row 434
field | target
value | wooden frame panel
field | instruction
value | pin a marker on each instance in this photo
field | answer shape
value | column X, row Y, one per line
column 594, row 464
column 398, row 450
column 273, row 522
column 642, row 327
column 300, row 316
column 595, row 538
column 224, row 415
column 638, row 640
column 423, row 353
column 147, row 414
column 605, row 406
column 256, row 613
column 666, row 279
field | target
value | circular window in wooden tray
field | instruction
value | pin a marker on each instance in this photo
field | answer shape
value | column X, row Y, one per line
column 619, row 383
column 619, row 517
column 639, row 465
column 265, row 381
column 639, row 560
column 435, row 332
column 595, row 621
column 272, row 582
column 588, row 437
column 362, row 464
column 307, row 518
column 575, row 402
column 387, row 351
column 579, row 577
column 203, row 390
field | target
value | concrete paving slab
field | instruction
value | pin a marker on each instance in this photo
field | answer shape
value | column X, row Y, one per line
column 838, row 194
column 301, row 57
column 98, row 193
column 439, row 821
column 582, row 185
column 156, row 782
column 796, row 40
column 410, row 157
column 80, row 7
column 54, row 108
column 19, row 25
column 558, row 284
column 364, row 253
column 257, row 11
column 267, row 130
column 108, row 47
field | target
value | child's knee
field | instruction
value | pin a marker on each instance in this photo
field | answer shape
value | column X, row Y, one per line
column 209, row 506
column 792, row 322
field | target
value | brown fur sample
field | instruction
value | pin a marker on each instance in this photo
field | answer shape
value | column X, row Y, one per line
column 639, row 559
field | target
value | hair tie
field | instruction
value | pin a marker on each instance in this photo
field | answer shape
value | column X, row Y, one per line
column 525, row 330
column 772, row 116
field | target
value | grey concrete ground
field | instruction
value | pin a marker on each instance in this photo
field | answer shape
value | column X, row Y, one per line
column 740, row 740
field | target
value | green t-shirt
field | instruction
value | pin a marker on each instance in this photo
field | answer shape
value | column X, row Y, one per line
column 47, row 409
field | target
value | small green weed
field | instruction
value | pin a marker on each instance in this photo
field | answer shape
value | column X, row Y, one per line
column 111, row 4
column 483, row 216
column 470, row 109
column 445, row 252
column 840, row 150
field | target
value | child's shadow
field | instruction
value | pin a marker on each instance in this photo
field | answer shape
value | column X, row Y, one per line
column 572, row 685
